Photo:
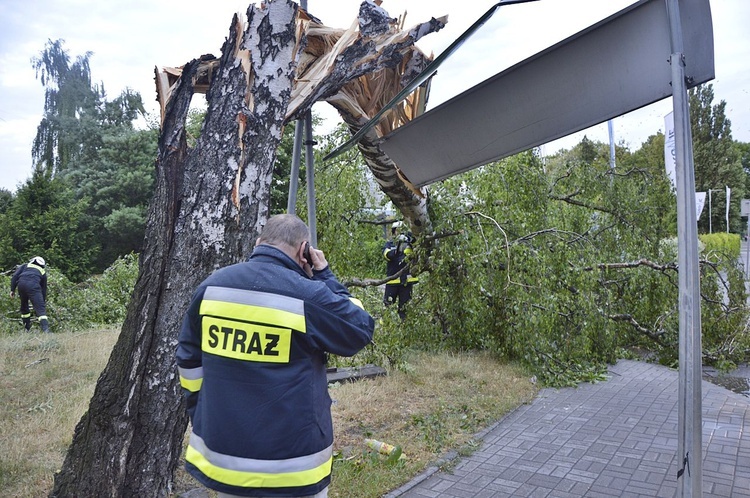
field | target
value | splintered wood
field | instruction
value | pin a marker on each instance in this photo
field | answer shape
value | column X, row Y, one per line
column 357, row 70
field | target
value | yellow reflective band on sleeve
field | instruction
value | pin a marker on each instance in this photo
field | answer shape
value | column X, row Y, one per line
column 191, row 378
column 245, row 341
column 191, row 385
column 250, row 473
column 254, row 306
column 356, row 302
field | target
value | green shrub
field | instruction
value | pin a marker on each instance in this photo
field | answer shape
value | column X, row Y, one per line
column 727, row 244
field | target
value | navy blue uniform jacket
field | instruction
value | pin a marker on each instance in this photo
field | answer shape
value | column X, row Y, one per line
column 252, row 360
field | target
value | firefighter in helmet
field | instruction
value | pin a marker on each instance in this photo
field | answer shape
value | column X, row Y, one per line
column 396, row 252
column 31, row 280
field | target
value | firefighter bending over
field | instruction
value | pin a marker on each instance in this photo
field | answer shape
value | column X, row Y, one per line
column 31, row 280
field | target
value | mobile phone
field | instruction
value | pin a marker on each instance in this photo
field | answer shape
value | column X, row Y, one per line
column 306, row 253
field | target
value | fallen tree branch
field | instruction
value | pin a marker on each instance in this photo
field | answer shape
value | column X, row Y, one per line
column 374, row 282
column 632, row 264
column 571, row 200
column 628, row 318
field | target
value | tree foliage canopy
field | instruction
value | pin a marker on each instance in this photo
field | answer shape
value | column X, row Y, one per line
column 96, row 168
column 717, row 161
column 562, row 263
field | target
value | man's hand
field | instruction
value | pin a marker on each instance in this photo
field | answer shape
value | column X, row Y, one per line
column 318, row 259
column 12, row 294
column 318, row 262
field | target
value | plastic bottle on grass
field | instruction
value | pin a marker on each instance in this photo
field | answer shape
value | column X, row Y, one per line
column 384, row 448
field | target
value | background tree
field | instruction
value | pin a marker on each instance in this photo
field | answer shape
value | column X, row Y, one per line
column 92, row 145
column 717, row 161
column 6, row 199
column 68, row 103
column 119, row 184
column 46, row 219
column 743, row 149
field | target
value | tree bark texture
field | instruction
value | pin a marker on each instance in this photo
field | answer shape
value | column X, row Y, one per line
column 209, row 205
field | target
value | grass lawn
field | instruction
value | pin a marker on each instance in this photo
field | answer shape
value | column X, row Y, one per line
column 433, row 405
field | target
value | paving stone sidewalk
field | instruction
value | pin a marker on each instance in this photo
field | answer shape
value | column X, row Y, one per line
column 616, row 438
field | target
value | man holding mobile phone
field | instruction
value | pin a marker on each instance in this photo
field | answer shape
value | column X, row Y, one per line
column 252, row 362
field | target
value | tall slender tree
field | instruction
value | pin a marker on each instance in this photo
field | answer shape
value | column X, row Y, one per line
column 68, row 97
column 717, row 161
column 92, row 145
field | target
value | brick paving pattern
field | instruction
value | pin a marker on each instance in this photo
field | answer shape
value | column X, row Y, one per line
column 616, row 438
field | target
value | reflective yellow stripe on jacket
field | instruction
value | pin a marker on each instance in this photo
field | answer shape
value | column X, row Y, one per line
column 253, row 473
column 254, row 306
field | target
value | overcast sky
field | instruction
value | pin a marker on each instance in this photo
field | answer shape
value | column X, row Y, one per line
column 128, row 39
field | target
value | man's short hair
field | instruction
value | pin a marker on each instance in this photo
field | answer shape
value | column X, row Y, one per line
column 284, row 229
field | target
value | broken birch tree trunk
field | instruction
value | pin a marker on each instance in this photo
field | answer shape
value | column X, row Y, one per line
column 357, row 70
column 209, row 205
column 208, row 208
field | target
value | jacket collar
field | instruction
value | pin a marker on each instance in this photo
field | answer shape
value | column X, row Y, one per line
column 270, row 254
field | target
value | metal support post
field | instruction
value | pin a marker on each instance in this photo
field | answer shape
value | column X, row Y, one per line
column 303, row 125
column 291, row 204
column 310, row 168
column 689, row 449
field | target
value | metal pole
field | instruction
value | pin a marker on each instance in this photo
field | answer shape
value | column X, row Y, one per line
column 710, row 228
column 291, row 204
column 689, row 450
column 310, row 169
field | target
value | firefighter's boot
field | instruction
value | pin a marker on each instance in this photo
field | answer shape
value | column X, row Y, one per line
column 27, row 323
column 44, row 324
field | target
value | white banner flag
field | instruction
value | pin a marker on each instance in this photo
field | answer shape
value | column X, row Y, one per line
column 700, row 201
column 669, row 150
column 671, row 166
column 729, row 192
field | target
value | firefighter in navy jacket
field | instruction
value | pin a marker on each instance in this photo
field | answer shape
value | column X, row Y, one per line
column 251, row 356
column 397, row 250
column 31, row 281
